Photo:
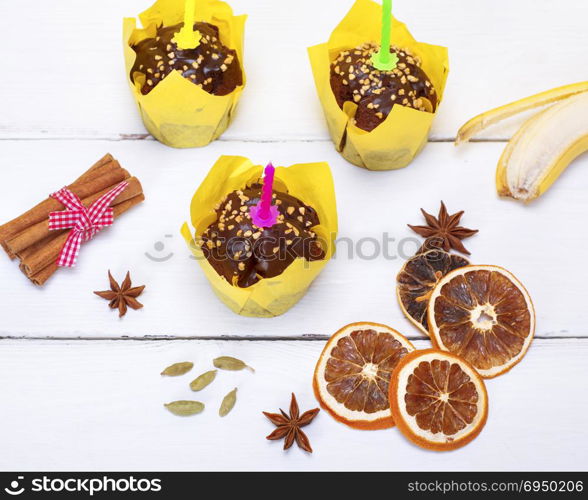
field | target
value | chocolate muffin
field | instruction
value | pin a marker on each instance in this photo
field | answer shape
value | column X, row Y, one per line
column 243, row 253
column 212, row 66
column 355, row 79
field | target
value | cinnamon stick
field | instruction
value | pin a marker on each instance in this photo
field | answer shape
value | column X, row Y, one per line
column 94, row 171
column 40, row 230
column 44, row 274
column 100, row 176
column 39, row 261
column 28, row 237
column 47, row 250
column 87, row 175
column 43, row 255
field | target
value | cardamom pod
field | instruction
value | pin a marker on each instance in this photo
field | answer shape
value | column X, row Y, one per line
column 228, row 402
column 178, row 369
column 229, row 363
column 185, row 408
column 203, row 380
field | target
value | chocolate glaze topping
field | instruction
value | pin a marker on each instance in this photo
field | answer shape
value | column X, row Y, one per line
column 212, row 66
column 354, row 78
column 243, row 253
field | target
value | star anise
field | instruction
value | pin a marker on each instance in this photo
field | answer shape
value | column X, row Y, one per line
column 122, row 296
column 444, row 230
column 289, row 426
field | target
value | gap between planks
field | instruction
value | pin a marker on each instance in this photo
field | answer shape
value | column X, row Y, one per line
column 239, row 338
column 147, row 137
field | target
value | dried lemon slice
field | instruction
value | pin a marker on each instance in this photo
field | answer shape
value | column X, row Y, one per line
column 353, row 372
column 438, row 400
column 483, row 314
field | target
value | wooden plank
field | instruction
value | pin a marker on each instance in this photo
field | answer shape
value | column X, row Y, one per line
column 535, row 242
column 66, row 76
column 97, row 405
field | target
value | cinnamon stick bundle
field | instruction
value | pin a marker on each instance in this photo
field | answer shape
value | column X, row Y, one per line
column 28, row 238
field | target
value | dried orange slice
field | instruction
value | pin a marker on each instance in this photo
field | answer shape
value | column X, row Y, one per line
column 353, row 372
column 416, row 280
column 438, row 400
column 483, row 314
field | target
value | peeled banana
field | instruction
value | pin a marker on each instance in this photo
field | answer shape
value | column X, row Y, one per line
column 545, row 144
column 542, row 149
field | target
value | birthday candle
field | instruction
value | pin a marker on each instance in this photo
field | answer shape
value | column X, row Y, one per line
column 267, row 190
column 264, row 214
column 383, row 59
column 187, row 38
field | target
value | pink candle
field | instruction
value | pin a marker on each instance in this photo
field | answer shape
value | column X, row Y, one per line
column 264, row 214
column 266, row 193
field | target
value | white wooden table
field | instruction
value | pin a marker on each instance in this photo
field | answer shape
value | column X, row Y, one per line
column 80, row 389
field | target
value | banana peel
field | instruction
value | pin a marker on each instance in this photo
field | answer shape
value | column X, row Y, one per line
column 484, row 120
column 545, row 144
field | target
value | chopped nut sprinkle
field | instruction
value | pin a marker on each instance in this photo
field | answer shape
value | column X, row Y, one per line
column 211, row 65
column 238, row 260
column 354, row 78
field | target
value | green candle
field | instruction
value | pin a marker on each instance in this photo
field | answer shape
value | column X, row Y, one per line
column 383, row 59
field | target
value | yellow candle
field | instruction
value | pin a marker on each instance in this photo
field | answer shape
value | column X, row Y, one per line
column 187, row 37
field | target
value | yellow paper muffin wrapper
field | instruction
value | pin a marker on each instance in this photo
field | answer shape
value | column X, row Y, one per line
column 397, row 140
column 311, row 183
column 177, row 112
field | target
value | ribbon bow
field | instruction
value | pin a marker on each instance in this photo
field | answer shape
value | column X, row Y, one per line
column 83, row 222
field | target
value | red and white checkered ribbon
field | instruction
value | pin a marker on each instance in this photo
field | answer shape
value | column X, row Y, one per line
column 83, row 222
